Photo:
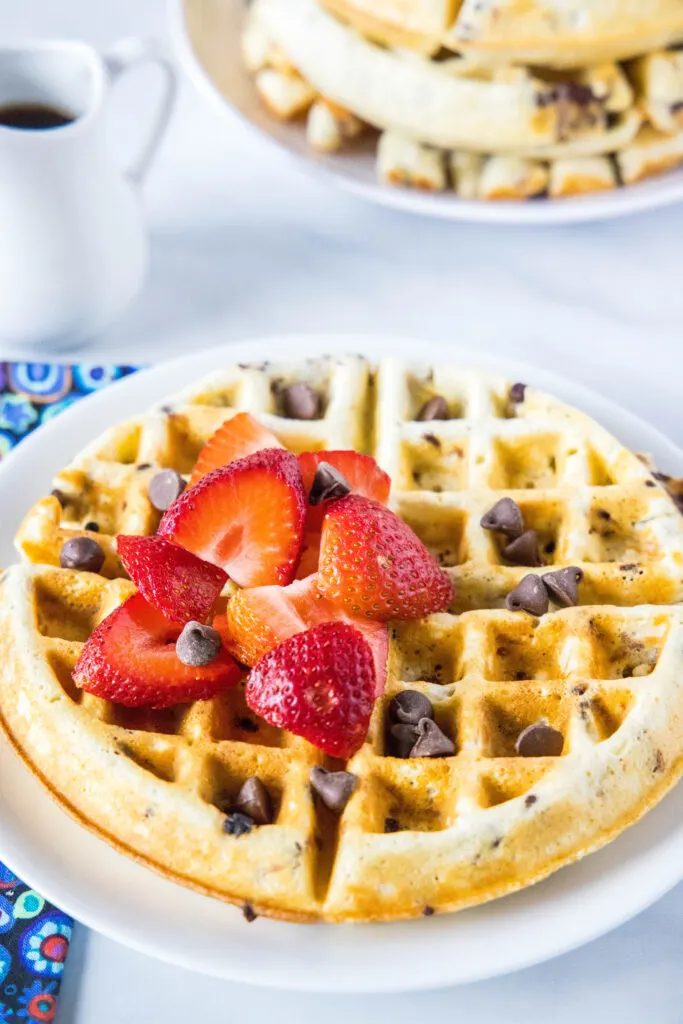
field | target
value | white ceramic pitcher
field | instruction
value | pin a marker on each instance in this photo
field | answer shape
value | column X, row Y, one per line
column 73, row 244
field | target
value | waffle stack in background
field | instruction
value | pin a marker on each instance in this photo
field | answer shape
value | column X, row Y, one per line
column 420, row 834
column 495, row 99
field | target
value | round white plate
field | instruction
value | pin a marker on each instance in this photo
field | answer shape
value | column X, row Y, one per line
column 131, row 904
column 211, row 55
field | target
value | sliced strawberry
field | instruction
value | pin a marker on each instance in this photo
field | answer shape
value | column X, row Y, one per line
column 247, row 518
column 179, row 585
column 259, row 619
column 362, row 474
column 235, row 439
column 130, row 658
column 319, row 685
column 372, row 564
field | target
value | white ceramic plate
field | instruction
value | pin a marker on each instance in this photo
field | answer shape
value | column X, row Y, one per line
column 215, row 65
column 131, row 904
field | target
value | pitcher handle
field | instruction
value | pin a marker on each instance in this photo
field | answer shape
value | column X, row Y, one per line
column 123, row 56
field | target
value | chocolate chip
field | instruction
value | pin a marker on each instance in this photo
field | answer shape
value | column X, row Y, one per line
column 574, row 92
column 523, row 550
column 301, row 402
column 165, row 487
column 402, row 739
column 432, row 439
column 246, row 724
column 539, row 740
column 248, row 913
column 237, row 824
column 428, row 911
column 602, row 513
column 254, row 801
column 92, row 526
column 505, row 517
column 391, row 825
column 431, row 741
column 143, row 465
column 409, row 706
column 60, row 496
column 563, row 585
column 328, row 483
column 517, row 393
column 530, row 800
column 529, row 596
column 435, row 408
column 197, row 645
column 82, row 553
column 335, row 789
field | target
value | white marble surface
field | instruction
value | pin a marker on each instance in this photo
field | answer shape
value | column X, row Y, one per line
column 244, row 244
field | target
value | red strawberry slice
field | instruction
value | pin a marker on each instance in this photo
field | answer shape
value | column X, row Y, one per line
column 319, row 685
column 130, row 658
column 259, row 619
column 364, row 477
column 361, row 472
column 177, row 583
column 247, row 518
column 235, row 439
column 372, row 564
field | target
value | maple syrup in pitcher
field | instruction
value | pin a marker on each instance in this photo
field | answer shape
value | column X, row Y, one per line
column 34, row 116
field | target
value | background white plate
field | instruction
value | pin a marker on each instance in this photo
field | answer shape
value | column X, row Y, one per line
column 115, row 895
column 221, row 77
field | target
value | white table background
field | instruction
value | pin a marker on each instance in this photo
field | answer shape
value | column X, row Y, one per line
column 244, row 244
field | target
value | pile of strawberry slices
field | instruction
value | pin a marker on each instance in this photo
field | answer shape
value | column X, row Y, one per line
column 321, row 564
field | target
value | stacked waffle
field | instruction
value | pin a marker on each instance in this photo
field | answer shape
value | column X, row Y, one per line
column 494, row 99
column 553, row 726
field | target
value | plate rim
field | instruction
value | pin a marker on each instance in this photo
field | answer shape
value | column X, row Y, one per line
column 651, row 194
column 57, row 888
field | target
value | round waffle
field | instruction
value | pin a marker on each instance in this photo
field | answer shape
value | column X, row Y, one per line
column 549, row 32
column 420, row 834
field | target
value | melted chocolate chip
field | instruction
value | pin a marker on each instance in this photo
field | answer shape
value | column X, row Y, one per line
column 328, row 483
column 92, row 527
column 197, row 645
column 431, row 741
column 563, row 585
column 60, row 496
column 505, row 517
column 236, row 824
column 409, row 706
column 402, row 739
column 428, row 911
column 82, row 553
column 392, row 825
column 539, row 740
column 517, row 391
column 164, row 488
column 523, row 550
column 301, row 402
column 254, row 801
column 436, row 408
column 529, row 596
column 334, row 789
column 248, row 913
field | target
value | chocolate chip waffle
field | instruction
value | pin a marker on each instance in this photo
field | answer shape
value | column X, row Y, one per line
column 553, row 732
column 453, row 121
column 537, row 32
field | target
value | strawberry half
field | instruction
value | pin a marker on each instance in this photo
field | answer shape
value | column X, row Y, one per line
column 319, row 685
column 362, row 474
column 261, row 618
column 177, row 583
column 372, row 564
column 130, row 658
column 235, row 439
column 248, row 518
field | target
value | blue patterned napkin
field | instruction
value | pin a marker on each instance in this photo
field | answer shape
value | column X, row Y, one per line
column 34, row 936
